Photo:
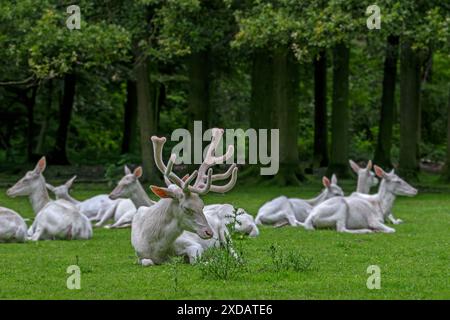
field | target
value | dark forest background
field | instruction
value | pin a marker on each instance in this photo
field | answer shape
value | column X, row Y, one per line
column 336, row 89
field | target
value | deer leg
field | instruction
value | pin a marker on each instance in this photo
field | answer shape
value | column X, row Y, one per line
column 146, row 262
column 194, row 252
column 341, row 227
column 393, row 220
column 36, row 236
column 109, row 214
column 380, row 227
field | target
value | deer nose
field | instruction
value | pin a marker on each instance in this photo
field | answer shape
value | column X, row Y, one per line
column 209, row 233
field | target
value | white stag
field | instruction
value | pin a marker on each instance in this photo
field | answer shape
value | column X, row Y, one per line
column 361, row 213
column 12, row 226
column 283, row 211
column 58, row 219
column 156, row 228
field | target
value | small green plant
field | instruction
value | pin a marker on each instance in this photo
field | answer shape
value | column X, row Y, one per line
column 222, row 263
column 175, row 272
column 289, row 261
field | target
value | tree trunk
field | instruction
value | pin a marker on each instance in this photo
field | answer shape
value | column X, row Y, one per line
column 30, row 104
column 130, row 119
column 261, row 102
column 340, row 112
column 45, row 121
column 384, row 143
column 146, row 110
column 285, row 113
column 409, row 111
column 199, row 66
column 320, row 111
column 59, row 153
column 447, row 168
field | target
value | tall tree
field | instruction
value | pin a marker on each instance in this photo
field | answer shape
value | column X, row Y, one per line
column 340, row 112
column 410, row 71
column 130, row 119
column 384, row 143
column 59, row 153
column 320, row 110
column 199, row 104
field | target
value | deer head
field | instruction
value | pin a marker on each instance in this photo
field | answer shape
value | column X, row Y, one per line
column 187, row 196
column 127, row 185
column 366, row 178
column 394, row 184
column 331, row 187
column 62, row 191
column 30, row 182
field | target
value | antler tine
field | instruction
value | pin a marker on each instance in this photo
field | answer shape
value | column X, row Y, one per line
column 228, row 186
column 210, row 158
column 206, row 188
column 158, row 144
column 172, row 177
column 223, row 176
column 189, row 179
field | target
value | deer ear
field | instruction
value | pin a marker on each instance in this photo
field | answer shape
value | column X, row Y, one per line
column 326, row 182
column 138, row 172
column 70, row 182
column 126, row 170
column 162, row 192
column 50, row 187
column 41, row 165
column 354, row 166
column 333, row 179
column 185, row 177
column 379, row 172
column 369, row 165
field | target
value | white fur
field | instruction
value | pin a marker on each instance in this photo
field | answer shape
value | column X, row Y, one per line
column 12, row 226
column 282, row 210
column 360, row 213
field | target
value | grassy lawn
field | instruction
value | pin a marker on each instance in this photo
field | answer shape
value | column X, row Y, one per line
column 414, row 262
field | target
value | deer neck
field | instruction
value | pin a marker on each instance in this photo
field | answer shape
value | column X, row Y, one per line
column 72, row 200
column 166, row 220
column 320, row 198
column 39, row 197
column 140, row 197
column 385, row 198
column 362, row 186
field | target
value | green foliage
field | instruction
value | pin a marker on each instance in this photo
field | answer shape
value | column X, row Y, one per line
column 289, row 260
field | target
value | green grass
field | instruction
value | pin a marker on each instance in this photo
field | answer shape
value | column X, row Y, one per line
column 414, row 261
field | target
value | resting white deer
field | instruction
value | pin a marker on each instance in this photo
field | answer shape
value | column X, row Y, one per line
column 366, row 178
column 282, row 210
column 58, row 219
column 130, row 187
column 156, row 228
column 361, row 213
column 105, row 207
column 241, row 220
column 12, row 226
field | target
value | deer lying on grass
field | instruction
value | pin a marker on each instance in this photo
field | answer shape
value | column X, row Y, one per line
column 361, row 213
column 58, row 219
column 12, row 226
column 241, row 220
column 366, row 178
column 156, row 228
column 121, row 210
column 130, row 187
column 283, row 211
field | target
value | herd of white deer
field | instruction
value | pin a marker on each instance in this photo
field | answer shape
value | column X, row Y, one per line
column 179, row 224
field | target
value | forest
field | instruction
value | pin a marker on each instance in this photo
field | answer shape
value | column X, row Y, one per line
column 92, row 92
column 335, row 89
